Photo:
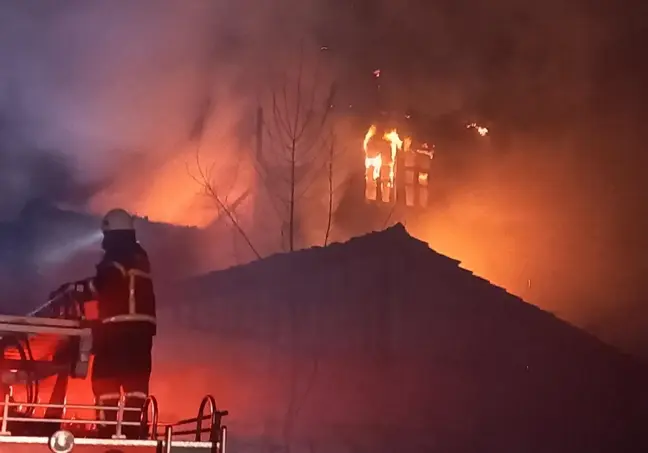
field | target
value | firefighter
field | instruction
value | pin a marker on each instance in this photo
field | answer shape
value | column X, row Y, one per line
column 123, row 336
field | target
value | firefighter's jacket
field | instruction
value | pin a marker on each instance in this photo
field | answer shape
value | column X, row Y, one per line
column 123, row 289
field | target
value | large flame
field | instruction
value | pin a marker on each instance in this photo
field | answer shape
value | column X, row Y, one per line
column 374, row 164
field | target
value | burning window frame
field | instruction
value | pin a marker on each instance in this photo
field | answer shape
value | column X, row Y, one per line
column 401, row 176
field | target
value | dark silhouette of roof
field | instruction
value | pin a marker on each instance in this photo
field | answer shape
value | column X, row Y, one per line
column 406, row 264
column 388, row 304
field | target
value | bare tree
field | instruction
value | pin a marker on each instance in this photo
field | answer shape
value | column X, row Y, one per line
column 295, row 154
column 291, row 154
column 204, row 175
column 298, row 134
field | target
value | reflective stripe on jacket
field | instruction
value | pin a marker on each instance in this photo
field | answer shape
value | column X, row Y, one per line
column 133, row 314
column 124, row 288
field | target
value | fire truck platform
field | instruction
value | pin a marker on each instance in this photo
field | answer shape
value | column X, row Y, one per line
column 203, row 433
column 35, row 348
column 16, row 444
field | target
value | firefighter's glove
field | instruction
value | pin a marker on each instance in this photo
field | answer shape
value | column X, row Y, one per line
column 82, row 290
column 78, row 290
column 63, row 289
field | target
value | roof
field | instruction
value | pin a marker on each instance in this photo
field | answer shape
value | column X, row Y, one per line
column 399, row 330
column 407, row 268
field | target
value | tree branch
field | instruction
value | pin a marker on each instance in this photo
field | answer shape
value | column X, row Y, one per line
column 205, row 181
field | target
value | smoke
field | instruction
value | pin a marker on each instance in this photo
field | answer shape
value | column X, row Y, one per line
column 123, row 88
column 119, row 93
column 30, row 174
column 550, row 209
column 113, row 86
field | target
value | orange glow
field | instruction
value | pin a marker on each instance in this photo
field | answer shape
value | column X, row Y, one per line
column 79, row 390
column 168, row 193
column 171, row 191
column 505, row 224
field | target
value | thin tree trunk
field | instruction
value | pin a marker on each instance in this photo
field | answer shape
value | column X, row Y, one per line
column 330, row 200
column 291, row 225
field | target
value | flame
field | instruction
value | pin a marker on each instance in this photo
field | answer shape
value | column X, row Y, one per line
column 481, row 130
column 370, row 133
column 407, row 144
column 374, row 164
column 415, row 161
column 395, row 143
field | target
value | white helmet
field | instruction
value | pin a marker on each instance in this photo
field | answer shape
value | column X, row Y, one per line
column 117, row 219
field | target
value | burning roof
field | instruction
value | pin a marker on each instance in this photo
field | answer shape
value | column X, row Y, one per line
column 393, row 325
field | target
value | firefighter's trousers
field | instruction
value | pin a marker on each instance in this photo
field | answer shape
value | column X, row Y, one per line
column 122, row 365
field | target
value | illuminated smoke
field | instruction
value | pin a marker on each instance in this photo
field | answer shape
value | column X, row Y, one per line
column 123, row 106
column 63, row 252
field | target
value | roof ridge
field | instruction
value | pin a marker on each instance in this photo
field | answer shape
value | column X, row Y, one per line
column 394, row 230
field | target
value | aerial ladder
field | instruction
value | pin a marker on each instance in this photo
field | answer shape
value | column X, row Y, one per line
column 27, row 424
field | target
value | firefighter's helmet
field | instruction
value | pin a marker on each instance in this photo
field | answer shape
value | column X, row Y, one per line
column 117, row 219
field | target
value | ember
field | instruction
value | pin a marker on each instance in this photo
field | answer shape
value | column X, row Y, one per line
column 481, row 130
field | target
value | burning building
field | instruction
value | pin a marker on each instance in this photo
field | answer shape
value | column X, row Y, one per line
column 395, row 170
column 401, row 169
column 398, row 168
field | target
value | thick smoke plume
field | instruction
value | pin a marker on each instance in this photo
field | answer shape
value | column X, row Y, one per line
column 121, row 90
column 121, row 87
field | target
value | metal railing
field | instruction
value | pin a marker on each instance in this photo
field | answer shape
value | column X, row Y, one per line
column 151, row 426
column 8, row 417
column 216, row 430
column 149, row 421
